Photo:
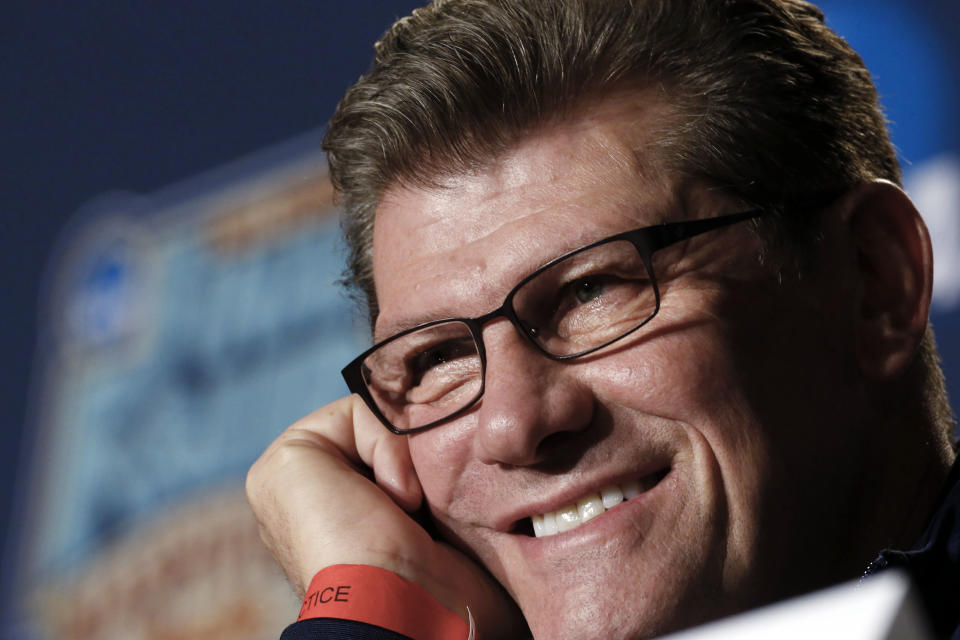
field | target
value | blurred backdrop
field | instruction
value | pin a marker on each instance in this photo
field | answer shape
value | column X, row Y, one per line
column 169, row 262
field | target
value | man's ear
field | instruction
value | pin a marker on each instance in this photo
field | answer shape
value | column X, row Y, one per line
column 895, row 264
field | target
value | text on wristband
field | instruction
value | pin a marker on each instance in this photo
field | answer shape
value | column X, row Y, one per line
column 338, row 593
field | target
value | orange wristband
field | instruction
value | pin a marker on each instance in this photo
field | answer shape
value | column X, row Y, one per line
column 380, row 597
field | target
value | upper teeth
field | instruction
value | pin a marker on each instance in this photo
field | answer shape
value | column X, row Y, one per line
column 587, row 508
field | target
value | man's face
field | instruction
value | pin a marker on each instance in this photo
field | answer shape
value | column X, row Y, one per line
column 727, row 407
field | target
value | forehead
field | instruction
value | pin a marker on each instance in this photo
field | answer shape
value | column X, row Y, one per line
column 456, row 249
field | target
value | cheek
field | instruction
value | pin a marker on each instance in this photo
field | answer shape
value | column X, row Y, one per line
column 440, row 457
column 684, row 376
column 689, row 381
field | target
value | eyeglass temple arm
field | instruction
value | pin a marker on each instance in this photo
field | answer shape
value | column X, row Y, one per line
column 673, row 232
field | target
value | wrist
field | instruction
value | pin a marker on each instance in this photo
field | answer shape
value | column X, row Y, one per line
column 377, row 596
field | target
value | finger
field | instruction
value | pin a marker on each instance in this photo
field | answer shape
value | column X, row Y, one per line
column 388, row 454
column 366, row 443
column 332, row 422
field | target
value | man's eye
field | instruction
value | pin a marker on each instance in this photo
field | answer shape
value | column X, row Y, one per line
column 437, row 355
column 588, row 289
column 431, row 358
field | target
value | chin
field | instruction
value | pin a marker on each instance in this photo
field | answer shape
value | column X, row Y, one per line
column 652, row 565
column 632, row 597
column 604, row 615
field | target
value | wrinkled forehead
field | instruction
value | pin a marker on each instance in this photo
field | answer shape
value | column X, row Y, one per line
column 564, row 185
column 619, row 134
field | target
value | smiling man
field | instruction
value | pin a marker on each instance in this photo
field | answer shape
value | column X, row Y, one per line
column 650, row 332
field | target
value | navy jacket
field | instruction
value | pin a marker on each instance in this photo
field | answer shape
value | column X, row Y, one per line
column 934, row 562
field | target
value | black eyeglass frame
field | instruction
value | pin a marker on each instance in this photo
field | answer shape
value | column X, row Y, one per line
column 646, row 240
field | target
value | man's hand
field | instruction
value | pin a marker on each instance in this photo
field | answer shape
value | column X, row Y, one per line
column 337, row 488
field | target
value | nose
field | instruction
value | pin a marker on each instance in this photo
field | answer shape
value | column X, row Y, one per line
column 528, row 399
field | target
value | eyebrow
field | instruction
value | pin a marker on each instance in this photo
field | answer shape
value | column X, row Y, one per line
column 398, row 325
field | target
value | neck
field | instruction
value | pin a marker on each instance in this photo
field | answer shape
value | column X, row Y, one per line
column 928, row 493
column 910, row 476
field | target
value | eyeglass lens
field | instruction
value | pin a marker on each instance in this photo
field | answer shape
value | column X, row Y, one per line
column 578, row 304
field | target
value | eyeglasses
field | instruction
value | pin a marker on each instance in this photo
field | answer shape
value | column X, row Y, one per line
column 572, row 306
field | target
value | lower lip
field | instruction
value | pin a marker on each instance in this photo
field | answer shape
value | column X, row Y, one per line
column 635, row 514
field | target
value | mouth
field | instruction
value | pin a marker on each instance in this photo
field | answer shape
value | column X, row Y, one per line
column 586, row 508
